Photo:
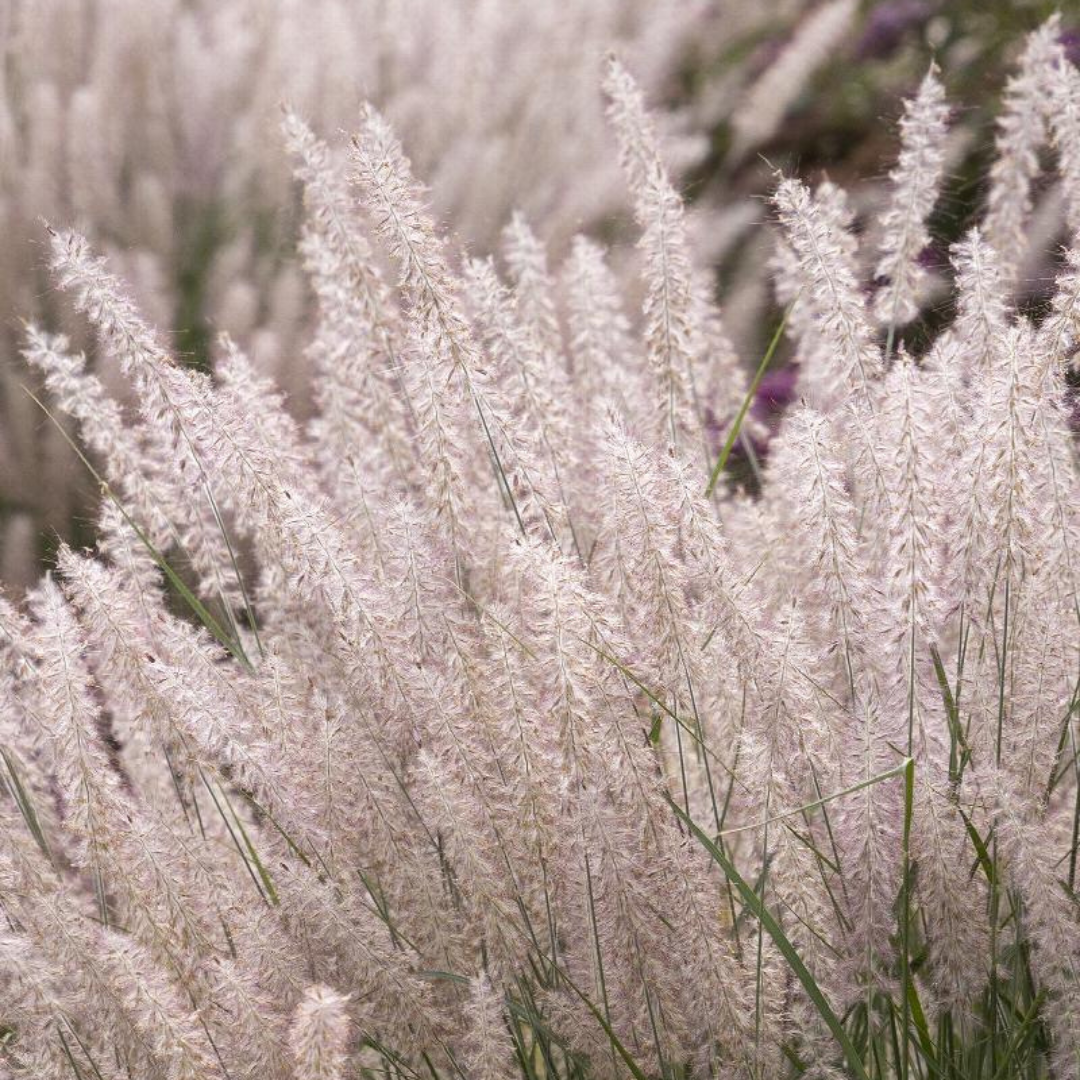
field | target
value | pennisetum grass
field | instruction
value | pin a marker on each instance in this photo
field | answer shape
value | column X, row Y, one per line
column 483, row 725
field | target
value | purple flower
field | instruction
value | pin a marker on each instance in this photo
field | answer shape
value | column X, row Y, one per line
column 935, row 256
column 886, row 26
column 775, row 392
column 1070, row 42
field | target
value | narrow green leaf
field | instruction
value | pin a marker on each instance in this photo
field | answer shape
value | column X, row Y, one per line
column 654, row 731
column 198, row 608
column 25, row 804
column 67, row 1053
column 922, row 1029
column 733, row 434
column 85, row 1049
column 775, row 931
column 905, row 917
column 235, row 839
column 880, row 778
column 264, row 874
column 983, row 852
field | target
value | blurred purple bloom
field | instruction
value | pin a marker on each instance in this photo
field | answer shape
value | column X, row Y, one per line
column 886, row 25
column 1070, row 42
column 935, row 256
column 775, row 392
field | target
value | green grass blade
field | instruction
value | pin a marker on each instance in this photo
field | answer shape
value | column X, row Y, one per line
column 736, row 427
column 952, row 713
column 906, row 982
column 25, row 804
column 986, row 861
column 67, row 1053
column 264, row 874
column 235, row 839
column 200, row 611
column 922, row 1029
column 900, row 769
column 775, row 931
column 82, row 1046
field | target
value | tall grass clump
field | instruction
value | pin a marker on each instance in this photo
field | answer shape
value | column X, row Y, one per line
column 482, row 727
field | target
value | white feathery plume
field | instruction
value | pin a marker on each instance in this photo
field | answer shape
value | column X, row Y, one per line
column 293, row 532
column 450, row 365
column 917, row 610
column 981, row 303
column 915, row 184
column 645, row 997
column 253, row 1032
column 807, row 474
column 344, row 932
column 719, row 373
column 473, row 821
column 160, row 689
column 357, row 344
column 121, row 545
column 913, row 610
column 1062, row 82
column 781, row 746
column 439, row 768
column 137, row 858
column 126, row 850
column 831, row 293
column 605, row 364
column 488, row 1053
column 38, row 995
column 840, row 603
column 857, row 739
column 169, row 701
column 319, row 1035
column 149, row 1019
column 1008, row 421
column 81, row 396
column 1059, row 334
column 396, row 200
column 232, row 457
column 169, row 451
column 335, row 237
column 158, row 503
column 534, row 385
column 1059, row 482
column 867, row 826
column 1048, row 915
column 22, row 741
column 670, row 329
column 442, row 414
column 442, row 360
column 1022, row 131
column 814, row 355
column 653, row 582
column 258, row 397
column 561, row 611
column 953, row 903
column 569, row 677
column 534, row 288
column 912, row 620
column 639, row 148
